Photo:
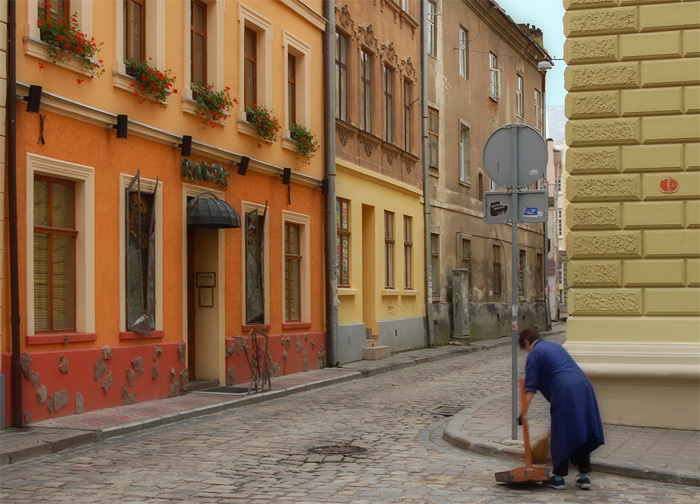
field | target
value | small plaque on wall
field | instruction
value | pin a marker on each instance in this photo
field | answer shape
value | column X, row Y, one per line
column 206, row 297
column 206, row 279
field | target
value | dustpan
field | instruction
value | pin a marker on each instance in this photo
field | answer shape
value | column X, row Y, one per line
column 528, row 473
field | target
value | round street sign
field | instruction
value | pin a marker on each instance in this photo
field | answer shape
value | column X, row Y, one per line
column 531, row 155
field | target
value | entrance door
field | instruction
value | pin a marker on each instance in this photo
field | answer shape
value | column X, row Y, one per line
column 191, row 305
column 369, row 280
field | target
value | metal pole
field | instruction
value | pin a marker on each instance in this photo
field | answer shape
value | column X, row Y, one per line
column 331, row 253
column 514, row 286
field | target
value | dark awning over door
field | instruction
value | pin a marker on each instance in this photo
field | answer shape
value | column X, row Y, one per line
column 212, row 212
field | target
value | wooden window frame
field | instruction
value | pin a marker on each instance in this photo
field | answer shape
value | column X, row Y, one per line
column 341, row 76
column 366, row 58
column 52, row 231
column 389, row 249
column 388, row 104
column 127, row 30
column 407, row 123
column 343, row 207
column 435, row 263
column 538, row 110
column 464, row 52
column 464, row 154
column 432, row 28
column 519, row 88
column 433, row 138
column 289, row 259
column 194, row 31
column 495, row 77
column 250, row 93
column 291, row 88
column 408, row 251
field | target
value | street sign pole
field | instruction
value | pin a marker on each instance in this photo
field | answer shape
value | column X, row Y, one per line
column 514, row 272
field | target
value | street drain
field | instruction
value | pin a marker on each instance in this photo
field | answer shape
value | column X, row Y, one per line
column 345, row 450
column 445, row 410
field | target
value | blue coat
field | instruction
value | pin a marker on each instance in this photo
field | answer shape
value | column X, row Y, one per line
column 573, row 406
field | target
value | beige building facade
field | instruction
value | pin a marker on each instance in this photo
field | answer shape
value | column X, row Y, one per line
column 633, row 78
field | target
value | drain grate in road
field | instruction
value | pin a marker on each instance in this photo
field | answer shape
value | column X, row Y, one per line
column 445, row 410
column 344, row 450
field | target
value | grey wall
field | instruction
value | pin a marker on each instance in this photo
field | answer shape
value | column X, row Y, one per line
column 351, row 341
column 403, row 334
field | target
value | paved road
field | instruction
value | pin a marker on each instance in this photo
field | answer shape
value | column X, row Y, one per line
column 260, row 454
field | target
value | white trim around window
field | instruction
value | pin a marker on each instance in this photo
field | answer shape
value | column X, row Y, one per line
column 302, row 55
column 84, row 178
column 215, row 50
column 248, row 18
column 147, row 185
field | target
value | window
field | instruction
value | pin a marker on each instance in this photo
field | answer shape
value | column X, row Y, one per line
column 497, row 289
column 466, row 254
column 366, row 91
column 198, row 33
column 292, row 272
column 134, row 24
column 540, row 278
column 480, row 187
column 408, row 251
column 560, row 222
column 495, row 76
column 432, row 27
column 250, row 68
column 343, row 229
column 291, row 90
column 435, row 265
column 433, row 137
column 538, row 110
column 519, row 95
column 58, row 10
column 464, row 154
column 522, row 264
column 341, row 76
column 55, row 236
column 560, row 273
column 407, row 114
column 389, row 249
column 558, row 185
column 463, row 52
column 388, row 104
column 405, row 4
column 255, row 266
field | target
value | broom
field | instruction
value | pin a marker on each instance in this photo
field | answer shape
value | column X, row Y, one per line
column 540, row 451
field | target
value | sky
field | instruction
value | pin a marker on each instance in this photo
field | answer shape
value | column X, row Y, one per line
column 548, row 16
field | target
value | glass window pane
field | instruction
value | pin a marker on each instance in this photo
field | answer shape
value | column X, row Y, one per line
column 198, row 12
column 63, row 281
column 41, row 203
column 41, row 282
column 62, row 202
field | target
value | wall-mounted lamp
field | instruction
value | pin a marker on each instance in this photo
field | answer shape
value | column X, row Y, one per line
column 287, row 176
column 243, row 165
column 186, row 146
column 122, row 125
column 33, row 99
column 544, row 65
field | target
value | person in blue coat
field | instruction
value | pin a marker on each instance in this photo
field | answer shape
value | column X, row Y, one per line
column 577, row 429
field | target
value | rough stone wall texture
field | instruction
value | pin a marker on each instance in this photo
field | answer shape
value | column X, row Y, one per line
column 633, row 78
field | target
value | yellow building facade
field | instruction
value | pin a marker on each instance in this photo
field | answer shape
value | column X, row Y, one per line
column 633, row 78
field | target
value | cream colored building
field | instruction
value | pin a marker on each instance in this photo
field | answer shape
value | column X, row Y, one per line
column 633, row 78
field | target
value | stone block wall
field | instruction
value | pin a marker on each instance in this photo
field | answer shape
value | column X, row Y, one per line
column 633, row 78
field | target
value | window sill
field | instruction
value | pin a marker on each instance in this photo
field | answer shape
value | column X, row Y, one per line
column 390, row 292
column 261, row 327
column 465, row 183
column 129, row 335
column 62, row 337
column 296, row 325
column 190, row 107
column 409, row 293
column 289, row 144
column 123, row 81
column 345, row 291
column 247, row 129
column 39, row 49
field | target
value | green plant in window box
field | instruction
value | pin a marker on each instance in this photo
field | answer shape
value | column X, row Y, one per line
column 150, row 82
column 206, row 172
column 266, row 125
column 305, row 140
column 212, row 105
column 66, row 41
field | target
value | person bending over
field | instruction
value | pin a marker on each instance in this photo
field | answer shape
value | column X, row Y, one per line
column 577, row 429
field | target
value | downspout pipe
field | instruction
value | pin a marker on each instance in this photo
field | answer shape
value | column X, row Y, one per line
column 330, row 252
column 12, row 210
column 426, row 177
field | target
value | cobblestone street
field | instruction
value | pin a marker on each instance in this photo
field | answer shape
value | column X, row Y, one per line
column 264, row 453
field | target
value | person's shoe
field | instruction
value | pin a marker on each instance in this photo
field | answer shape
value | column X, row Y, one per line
column 556, row 482
column 583, row 482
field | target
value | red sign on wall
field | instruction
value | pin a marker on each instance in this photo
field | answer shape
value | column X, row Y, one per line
column 668, row 185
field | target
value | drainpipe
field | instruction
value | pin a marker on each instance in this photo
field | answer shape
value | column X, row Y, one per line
column 330, row 252
column 426, row 175
column 12, row 199
column 548, row 317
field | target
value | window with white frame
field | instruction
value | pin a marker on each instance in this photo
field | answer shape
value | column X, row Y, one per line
column 61, row 263
column 538, row 110
column 255, row 55
column 519, row 95
column 560, row 222
column 495, row 77
column 297, row 303
column 464, row 154
column 432, row 27
column 558, row 185
column 433, row 138
column 204, row 53
column 405, row 5
column 389, row 249
column 463, row 52
column 297, row 95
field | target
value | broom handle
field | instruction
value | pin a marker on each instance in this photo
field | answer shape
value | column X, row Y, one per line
column 526, row 432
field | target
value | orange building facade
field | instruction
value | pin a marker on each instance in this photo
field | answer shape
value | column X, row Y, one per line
column 144, row 267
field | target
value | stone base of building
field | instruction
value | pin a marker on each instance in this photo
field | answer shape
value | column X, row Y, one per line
column 645, row 385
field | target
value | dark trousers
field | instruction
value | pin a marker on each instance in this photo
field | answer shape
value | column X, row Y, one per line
column 580, row 458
